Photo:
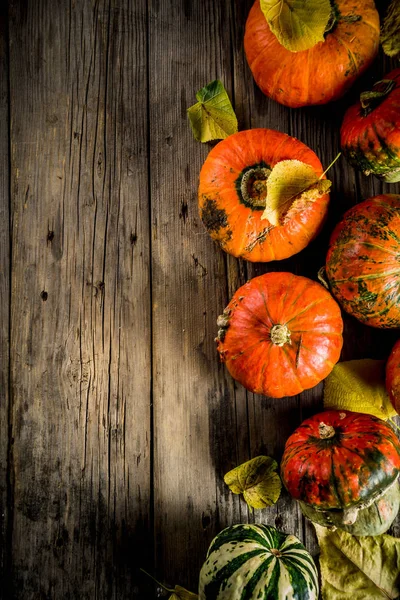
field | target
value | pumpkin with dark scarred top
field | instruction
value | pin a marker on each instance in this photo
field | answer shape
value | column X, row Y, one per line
column 232, row 196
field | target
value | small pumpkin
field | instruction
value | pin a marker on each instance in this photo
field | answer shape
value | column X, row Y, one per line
column 393, row 376
column 371, row 520
column 280, row 334
column 232, row 196
column 341, row 461
column 370, row 133
column 362, row 265
column 322, row 73
column 257, row 561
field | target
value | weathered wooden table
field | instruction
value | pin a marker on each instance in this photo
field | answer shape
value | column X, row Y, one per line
column 117, row 422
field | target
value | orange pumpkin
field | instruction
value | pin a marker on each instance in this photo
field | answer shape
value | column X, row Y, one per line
column 280, row 334
column 393, row 376
column 232, row 195
column 325, row 71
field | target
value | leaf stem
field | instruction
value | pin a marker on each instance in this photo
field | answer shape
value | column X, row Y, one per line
column 329, row 166
column 156, row 580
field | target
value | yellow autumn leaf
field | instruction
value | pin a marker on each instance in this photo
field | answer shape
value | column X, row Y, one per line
column 297, row 24
column 258, row 481
column 359, row 386
column 180, row 593
column 358, row 568
column 289, row 181
column 212, row 117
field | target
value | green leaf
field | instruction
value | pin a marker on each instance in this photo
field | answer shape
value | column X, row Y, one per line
column 180, row 593
column 358, row 568
column 390, row 34
column 258, row 481
column 291, row 180
column 213, row 117
column 359, row 386
column 298, row 24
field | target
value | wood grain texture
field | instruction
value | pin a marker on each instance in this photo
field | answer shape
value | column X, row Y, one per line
column 80, row 344
column 194, row 431
column 121, row 422
column 5, row 269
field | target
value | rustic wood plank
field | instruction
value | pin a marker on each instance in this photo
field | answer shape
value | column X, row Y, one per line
column 194, row 412
column 5, row 301
column 80, row 347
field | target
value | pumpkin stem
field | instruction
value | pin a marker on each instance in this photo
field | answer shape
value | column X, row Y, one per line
column 325, row 431
column 372, row 98
column 276, row 552
column 350, row 515
column 280, row 335
column 253, row 186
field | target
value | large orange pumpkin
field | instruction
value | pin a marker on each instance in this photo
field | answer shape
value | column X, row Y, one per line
column 325, row 71
column 280, row 334
column 232, row 194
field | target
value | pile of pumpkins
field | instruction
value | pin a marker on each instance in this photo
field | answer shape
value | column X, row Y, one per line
column 282, row 333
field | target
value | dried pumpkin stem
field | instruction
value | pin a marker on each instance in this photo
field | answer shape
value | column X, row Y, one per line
column 325, row 431
column 280, row 335
column 371, row 99
column 253, row 186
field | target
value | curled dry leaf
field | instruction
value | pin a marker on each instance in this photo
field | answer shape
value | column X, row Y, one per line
column 258, row 481
column 179, row 593
column 358, row 568
column 359, row 386
column 390, row 35
column 212, row 117
column 297, row 25
column 291, row 181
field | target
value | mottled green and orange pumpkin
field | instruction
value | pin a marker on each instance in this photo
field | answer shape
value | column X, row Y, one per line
column 232, row 196
column 393, row 376
column 374, row 519
column 322, row 73
column 341, row 461
column 280, row 334
column 362, row 264
column 370, row 133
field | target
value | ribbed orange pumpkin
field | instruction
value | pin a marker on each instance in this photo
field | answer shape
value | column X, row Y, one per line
column 325, row 71
column 362, row 264
column 393, row 376
column 232, row 194
column 280, row 334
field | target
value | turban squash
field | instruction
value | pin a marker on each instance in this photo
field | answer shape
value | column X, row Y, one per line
column 370, row 132
column 338, row 463
column 280, row 334
column 232, row 196
column 321, row 73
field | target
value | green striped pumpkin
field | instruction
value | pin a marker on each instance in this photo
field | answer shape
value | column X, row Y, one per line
column 257, row 562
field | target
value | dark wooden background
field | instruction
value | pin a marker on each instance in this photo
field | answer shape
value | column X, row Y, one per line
column 117, row 422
